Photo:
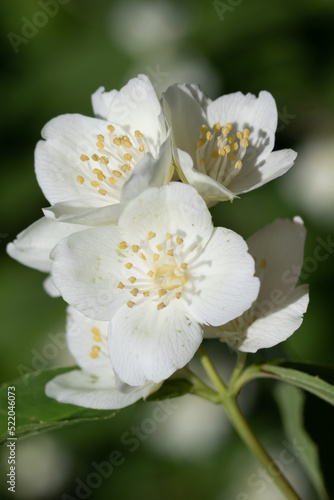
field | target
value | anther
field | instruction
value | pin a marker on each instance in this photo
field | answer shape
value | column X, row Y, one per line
column 116, row 173
column 80, row 179
column 128, row 265
column 208, row 136
column 142, row 256
column 161, row 306
column 100, row 145
column 96, row 332
column 178, row 295
column 179, row 240
column 102, row 191
column 238, row 164
column 201, row 141
column 168, row 236
column 246, row 133
column 95, row 157
column 130, row 303
column 84, row 158
column 146, row 294
column 112, row 180
column 151, row 274
column 117, row 141
column 120, row 285
column 111, row 129
column 151, row 235
column 244, row 142
column 184, row 266
column 135, row 248
column 138, row 134
column 123, row 245
column 216, row 126
column 159, row 247
column 132, row 279
column 170, row 252
column 156, row 257
column 204, row 129
column 162, row 292
column 134, row 292
column 141, row 148
column 100, row 138
column 104, row 160
column 239, row 135
column 127, row 157
column 95, row 184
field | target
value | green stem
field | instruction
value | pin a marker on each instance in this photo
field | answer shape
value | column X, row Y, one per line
column 227, row 398
column 251, row 441
column 241, row 360
column 211, row 371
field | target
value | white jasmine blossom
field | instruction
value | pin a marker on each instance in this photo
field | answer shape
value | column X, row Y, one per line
column 32, row 247
column 95, row 385
column 157, row 277
column 278, row 251
column 224, row 147
column 88, row 168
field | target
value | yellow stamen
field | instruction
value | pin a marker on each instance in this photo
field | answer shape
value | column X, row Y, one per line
column 156, row 257
column 151, row 235
column 204, row 129
column 168, row 236
column 246, row 133
column 117, row 141
column 134, row 292
column 141, row 148
column 159, row 247
column 127, row 157
column 104, row 160
column 179, row 240
column 130, row 303
column 216, row 126
column 170, row 252
column 135, row 248
column 178, row 295
column 100, row 138
column 95, row 157
column 112, row 180
column 80, row 179
column 161, row 306
column 100, row 145
column 263, row 264
column 97, row 335
column 102, row 191
column 116, row 173
column 128, row 265
column 138, row 134
column 132, row 279
column 208, row 136
column 95, row 184
column 146, row 294
column 162, row 292
column 244, row 142
column 200, row 142
column 84, row 158
column 120, row 285
column 111, row 128
column 123, row 245
column 151, row 274
column 184, row 266
column 238, row 164
column 142, row 256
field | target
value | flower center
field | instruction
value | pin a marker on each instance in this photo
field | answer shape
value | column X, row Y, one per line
column 157, row 270
column 219, row 152
column 110, row 166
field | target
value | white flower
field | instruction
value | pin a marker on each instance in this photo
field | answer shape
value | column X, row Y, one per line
column 88, row 168
column 224, row 147
column 278, row 251
column 157, row 276
column 32, row 247
column 95, row 385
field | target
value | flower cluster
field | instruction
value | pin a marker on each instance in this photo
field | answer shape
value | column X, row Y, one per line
column 128, row 240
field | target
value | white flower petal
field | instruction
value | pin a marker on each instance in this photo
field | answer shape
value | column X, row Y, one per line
column 211, row 191
column 77, row 212
column 185, row 108
column 32, row 246
column 279, row 252
column 150, row 173
column 250, row 177
column 102, row 101
column 223, row 279
column 86, row 271
column 50, row 288
column 136, row 105
column 277, row 326
column 176, row 208
column 95, row 391
column 87, row 341
column 58, row 163
column 147, row 344
column 258, row 114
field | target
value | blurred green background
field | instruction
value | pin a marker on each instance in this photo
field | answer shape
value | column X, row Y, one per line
column 285, row 47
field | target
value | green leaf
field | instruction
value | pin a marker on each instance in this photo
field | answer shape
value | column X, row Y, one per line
column 35, row 412
column 171, row 388
column 291, row 402
column 307, row 377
